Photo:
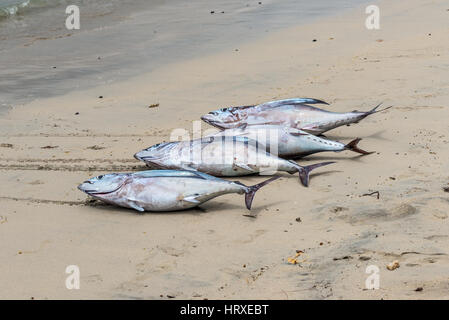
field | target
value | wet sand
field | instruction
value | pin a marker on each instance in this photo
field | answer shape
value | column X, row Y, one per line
column 48, row 146
column 119, row 39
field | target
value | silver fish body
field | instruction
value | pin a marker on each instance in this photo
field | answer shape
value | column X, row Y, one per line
column 163, row 190
column 222, row 156
column 290, row 112
column 287, row 142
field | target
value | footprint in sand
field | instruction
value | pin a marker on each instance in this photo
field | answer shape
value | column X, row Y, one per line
column 363, row 216
column 251, row 237
column 172, row 251
column 438, row 207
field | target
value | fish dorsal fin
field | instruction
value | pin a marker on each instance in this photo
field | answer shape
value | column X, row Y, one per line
column 297, row 102
column 277, row 103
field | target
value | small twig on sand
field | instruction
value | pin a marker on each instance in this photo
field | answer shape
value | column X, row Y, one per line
column 250, row 215
column 372, row 193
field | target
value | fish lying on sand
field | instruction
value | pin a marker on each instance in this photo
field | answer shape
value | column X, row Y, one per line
column 290, row 112
column 289, row 142
column 164, row 190
column 222, row 156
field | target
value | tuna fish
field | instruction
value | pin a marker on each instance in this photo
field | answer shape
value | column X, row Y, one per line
column 222, row 156
column 290, row 112
column 164, row 190
column 289, row 142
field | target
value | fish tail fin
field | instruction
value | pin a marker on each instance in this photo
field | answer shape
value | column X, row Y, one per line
column 353, row 147
column 374, row 110
column 304, row 171
column 251, row 191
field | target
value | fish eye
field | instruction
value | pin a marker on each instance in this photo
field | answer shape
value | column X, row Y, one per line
column 100, row 177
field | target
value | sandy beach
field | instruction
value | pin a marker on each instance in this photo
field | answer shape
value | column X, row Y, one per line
column 51, row 144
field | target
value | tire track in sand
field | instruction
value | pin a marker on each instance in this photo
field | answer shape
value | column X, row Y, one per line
column 72, row 165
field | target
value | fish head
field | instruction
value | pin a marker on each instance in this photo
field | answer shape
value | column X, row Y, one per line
column 104, row 184
column 226, row 118
column 155, row 152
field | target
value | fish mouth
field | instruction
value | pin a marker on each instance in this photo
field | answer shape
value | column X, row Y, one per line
column 96, row 192
column 137, row 157
column 215, row 123
column 208, row 119
column 145, row 158
column 155, row 152
column 151, row 161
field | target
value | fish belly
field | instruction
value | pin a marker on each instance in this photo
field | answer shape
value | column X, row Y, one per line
column 172, row 194
column 157, row 194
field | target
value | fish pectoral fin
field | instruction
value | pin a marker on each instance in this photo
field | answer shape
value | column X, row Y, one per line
column 312, row 128
column 242, row 126
column 192, row 199
column 309, row 126
column 243, row 166
column 135, row 206
column 187, row 166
